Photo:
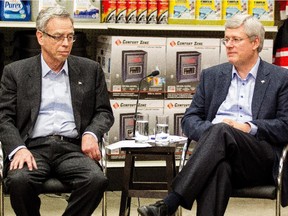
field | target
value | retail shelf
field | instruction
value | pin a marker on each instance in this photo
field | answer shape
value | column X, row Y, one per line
column 153, row 27
column 14, row 24
column 77, row 25
column 174, row 27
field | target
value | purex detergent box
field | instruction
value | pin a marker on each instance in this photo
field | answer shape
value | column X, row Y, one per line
column 15, row 10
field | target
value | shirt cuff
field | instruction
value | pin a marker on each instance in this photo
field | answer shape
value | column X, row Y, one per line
column 254, row 128
column 10, row 156
column 89, row 132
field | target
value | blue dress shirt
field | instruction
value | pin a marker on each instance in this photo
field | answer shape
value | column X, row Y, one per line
column 56, row 113
column 238, row 103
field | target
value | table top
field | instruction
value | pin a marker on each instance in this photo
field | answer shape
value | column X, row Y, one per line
column 124, row 144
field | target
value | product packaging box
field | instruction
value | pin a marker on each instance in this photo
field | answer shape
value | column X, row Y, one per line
column 108, row 11
column 265, row 54
column 38, row 5
column 162, row 11
column 127, row 61
column 152, row 11
column 86, row 10
column 186, row 57
column 209, row 12
column 175, row 109
column 182, row 12
column 233, row 7
column 124, row 112
column 131, row 11
column 121, row 11
column 141, row 14
column 263, row 10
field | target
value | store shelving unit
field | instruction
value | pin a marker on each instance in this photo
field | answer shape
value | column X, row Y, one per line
column 146, row 27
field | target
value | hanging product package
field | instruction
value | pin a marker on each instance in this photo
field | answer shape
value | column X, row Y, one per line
column 15, row 10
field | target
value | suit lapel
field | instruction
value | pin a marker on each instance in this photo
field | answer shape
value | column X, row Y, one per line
column 76, row 88
column 222, row 87
column 34, row 91
column 261, row 84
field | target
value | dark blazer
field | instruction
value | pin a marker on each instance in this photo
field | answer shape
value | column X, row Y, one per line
column 269, row 106
column 20, row 97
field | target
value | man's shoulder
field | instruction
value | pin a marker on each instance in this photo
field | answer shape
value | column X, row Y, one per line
column 27, row 62
column 269, row 68
column 223, row 67
column 81, row 60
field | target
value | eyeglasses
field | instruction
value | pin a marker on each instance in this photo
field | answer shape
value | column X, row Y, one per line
column 233, row 41
column 71, row 38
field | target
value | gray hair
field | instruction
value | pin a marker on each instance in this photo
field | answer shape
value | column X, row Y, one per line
column 46, row 14
column 252, row 27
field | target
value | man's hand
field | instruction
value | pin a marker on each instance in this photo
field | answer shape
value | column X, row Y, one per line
column 21, row 157
column 90, row 147
column 245, row 127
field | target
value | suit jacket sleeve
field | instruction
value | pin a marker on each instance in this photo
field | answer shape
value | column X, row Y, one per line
column 9, row 133
column 103, row 118
column 195, row 122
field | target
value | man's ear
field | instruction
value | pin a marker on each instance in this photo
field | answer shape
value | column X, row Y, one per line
column 39, row 36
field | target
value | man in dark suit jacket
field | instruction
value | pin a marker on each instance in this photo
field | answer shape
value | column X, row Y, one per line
column 239, row 116
column 54, row 111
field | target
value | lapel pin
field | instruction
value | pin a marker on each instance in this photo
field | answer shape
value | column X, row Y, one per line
column 79, row 83
column 262, row 81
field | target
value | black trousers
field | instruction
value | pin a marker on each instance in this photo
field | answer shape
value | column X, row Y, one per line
column 223, row 158
column 65, row 161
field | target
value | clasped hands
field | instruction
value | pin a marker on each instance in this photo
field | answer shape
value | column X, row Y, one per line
column 245, row 127
column 89, row 146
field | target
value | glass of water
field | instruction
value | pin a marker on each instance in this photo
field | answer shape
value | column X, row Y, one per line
column 162, row 130
column 142, row 128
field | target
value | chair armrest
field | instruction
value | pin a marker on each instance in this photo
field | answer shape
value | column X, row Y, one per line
column 103, row 160
column 280, row 173
column 184, row 154
column 1, row 161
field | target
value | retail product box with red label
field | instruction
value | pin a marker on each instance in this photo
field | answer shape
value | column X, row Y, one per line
column 126, row 62
column 265, row 54
column 175, row 109
column 186, row 57
column 124, row 111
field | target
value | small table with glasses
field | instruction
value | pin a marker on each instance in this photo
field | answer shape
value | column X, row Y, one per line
column 131, row 188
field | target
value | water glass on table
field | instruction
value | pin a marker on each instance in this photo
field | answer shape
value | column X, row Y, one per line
column 162, row 130
column 142, row 128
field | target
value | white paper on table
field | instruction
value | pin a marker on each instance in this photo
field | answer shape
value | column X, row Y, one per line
column 172, row 139
column 179, row 139
column 132, row 144
column 127, row 144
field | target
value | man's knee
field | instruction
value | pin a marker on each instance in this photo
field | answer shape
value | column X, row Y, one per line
column 19, row 180
column 220, row 127
column 97, row 181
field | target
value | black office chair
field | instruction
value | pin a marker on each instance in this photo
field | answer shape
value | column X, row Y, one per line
column 272, row 192
column 53, row 185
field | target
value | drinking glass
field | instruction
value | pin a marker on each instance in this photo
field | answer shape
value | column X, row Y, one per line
column 142, row 128
column 162, row 130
